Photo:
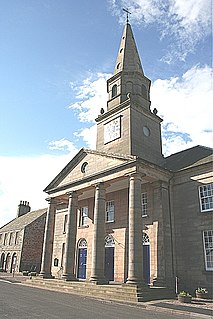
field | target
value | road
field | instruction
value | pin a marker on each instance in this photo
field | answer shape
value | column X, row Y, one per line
column 24, row 302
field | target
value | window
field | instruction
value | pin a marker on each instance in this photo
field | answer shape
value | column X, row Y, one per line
column 114, row 90
column 109, row 241
column 65, row 223
column 110, row 211
column 208, row 248
column 16, row 238
column 62, row 254
column 83, row 216
column 144, row 204
column 10, row 238
column 206, row 197
column 5, row 239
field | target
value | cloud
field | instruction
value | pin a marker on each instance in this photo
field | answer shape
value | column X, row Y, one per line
column 183, row 102
column 62, row 145
column 90, row 96
column 183, row 23
column 24, row 178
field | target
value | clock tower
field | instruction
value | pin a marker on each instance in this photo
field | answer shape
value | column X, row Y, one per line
column 129, row 126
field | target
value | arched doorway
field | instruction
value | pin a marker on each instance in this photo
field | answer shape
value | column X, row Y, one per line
column 2, row 261
column 82, row 259
column 146, row 258
column 13, row 263
column 109, row 257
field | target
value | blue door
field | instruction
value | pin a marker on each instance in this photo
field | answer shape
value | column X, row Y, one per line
column 82, row 263
column 146, row 263
column 109, row 263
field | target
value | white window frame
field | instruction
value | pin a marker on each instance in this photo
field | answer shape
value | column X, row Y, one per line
column 206, row 197
column 83, row 216
column 110, row 211
column 208, row 249
column 144, row 204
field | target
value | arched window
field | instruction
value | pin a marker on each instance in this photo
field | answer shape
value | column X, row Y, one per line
column 82, row 243
column 114, row 90
column 146, row 239
column 144, row 91
column 109, row 241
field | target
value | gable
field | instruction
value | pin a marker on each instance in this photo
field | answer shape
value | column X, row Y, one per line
column 90, row 165
column 85, row 164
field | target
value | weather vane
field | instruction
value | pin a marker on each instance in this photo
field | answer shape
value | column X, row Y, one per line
column 127, row 14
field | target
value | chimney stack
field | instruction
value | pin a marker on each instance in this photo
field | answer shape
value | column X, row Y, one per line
column 23, row 208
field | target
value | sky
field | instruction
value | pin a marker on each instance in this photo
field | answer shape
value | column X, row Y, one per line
column 55, row 58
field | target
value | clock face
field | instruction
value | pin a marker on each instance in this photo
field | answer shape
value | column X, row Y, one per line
column 112, row 130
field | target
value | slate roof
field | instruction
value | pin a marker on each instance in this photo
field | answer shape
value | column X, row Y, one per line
column 190, row 157
column 22, row 221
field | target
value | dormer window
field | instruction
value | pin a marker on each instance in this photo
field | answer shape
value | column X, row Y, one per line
column 114, row 90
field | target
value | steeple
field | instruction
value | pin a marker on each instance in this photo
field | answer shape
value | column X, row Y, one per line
column 128, row 78
column 128, row 58
column 129, row 126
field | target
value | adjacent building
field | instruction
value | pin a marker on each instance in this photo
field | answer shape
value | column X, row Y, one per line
column 21, row 240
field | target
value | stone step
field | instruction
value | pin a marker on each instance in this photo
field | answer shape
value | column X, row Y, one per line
column 126, row 293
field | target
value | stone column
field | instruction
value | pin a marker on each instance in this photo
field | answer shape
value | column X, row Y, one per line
column 135, row 259
column 46, row 263
column 98, row 247
column 70, row 246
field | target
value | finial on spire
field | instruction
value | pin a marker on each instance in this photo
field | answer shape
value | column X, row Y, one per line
column 127, row 14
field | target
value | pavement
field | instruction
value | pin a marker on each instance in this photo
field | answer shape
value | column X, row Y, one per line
column 199, row 308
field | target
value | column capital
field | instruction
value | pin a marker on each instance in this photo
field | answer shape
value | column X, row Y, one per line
column 100, row 185
column 136, row 175
column 72, row 194
column 51, row 200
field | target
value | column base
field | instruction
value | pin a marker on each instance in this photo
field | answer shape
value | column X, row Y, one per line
column 99, row 281
column 46, row 275
column 136, row 282
column 69, row 277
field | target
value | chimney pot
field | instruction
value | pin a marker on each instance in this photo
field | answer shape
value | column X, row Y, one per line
column 23, row 208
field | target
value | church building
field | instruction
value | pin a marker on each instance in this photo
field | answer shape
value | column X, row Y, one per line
column 124, row 213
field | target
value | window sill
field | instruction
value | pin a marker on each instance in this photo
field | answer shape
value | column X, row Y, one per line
column 206, row 211
column 109, row 221
column 83, row 226
column 145, row 215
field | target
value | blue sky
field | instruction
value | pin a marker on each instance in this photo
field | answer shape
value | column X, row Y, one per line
column 55, row 59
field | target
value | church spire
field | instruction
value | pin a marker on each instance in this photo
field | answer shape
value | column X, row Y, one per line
column 128, row 78
column 128, row 58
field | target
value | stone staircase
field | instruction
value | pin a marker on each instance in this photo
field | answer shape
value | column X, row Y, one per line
column 117, row 292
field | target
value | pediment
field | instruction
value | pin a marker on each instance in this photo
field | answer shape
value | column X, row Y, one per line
column 85, row 164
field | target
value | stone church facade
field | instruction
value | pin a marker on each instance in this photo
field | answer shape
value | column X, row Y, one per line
column 123, row 212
